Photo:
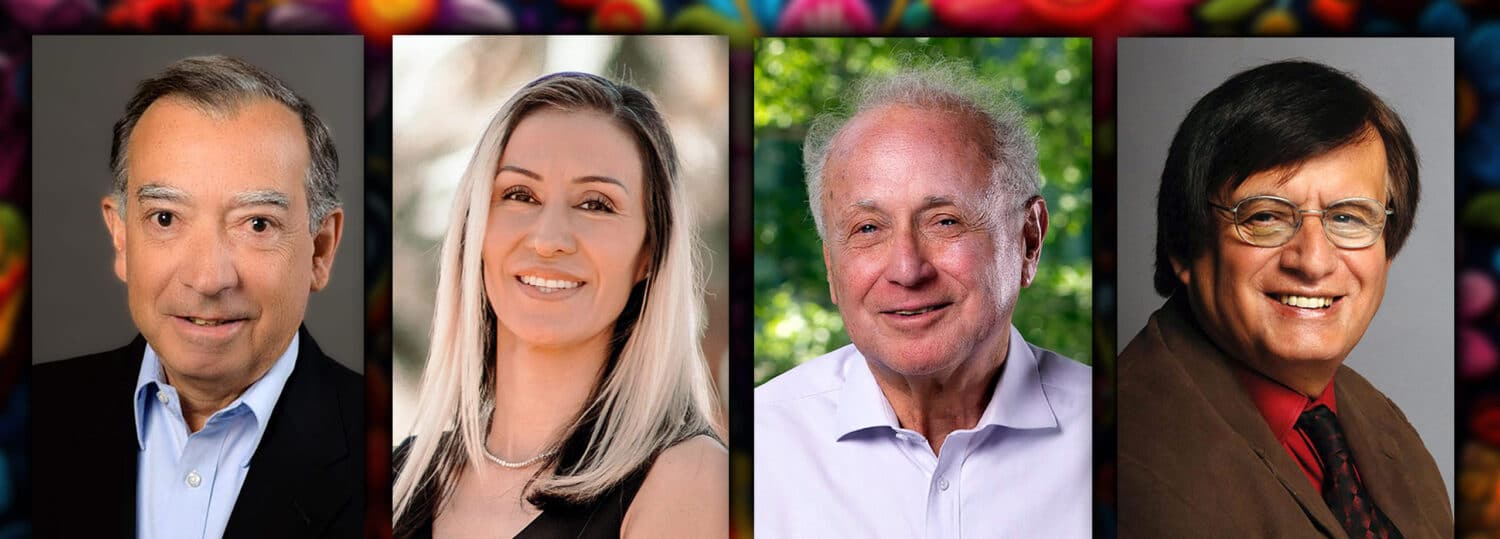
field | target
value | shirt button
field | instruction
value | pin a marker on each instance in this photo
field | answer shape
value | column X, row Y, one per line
column 942, row 484
column 193, row 479
column 161, row 396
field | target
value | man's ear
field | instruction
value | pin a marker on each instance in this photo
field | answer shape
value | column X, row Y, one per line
column 111, row 209
column 1033, row 232
column 1184, row 271
column 325, row 245
column 828, row 269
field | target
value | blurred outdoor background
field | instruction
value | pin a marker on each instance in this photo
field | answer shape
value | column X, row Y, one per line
column 445, row 90
column 795, row 79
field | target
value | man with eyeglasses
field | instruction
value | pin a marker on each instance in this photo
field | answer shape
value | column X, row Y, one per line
column 1237, row 417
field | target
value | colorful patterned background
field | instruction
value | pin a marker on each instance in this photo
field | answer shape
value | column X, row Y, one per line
column 1472, row 23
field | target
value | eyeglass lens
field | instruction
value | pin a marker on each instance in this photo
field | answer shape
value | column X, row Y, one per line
column 1270, row 222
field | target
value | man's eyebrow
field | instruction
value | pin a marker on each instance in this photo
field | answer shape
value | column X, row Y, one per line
column 935, row 201
column 928, row 202
column 263, row 197
column 858, row 207
column 581, row 179
column 152, row 191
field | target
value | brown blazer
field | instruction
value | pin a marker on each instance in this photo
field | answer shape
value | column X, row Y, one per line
column 1197, row 459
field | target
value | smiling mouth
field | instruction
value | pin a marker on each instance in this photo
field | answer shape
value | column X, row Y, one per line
column 1306, row 302
column 209, row 322
column 548, row 286
column 916, row 312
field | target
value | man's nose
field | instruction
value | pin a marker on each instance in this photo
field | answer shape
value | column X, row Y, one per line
column 908, row 265
column 1310, row 254
column 208, row 264
column 552, row 234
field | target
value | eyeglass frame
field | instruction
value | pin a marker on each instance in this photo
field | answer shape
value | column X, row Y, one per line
column 1297, row 227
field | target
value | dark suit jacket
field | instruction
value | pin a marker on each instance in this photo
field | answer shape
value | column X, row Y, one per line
column 1198, row 460
column 307, row 478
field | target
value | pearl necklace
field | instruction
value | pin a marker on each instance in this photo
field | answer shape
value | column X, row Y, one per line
column 515, row 465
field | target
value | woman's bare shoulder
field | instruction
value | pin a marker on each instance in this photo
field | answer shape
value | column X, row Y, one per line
column 685, row 494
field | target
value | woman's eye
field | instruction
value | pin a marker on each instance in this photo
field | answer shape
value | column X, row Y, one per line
column 520, row 196
column 867, row 228
column 596, row 205
column 947, row 221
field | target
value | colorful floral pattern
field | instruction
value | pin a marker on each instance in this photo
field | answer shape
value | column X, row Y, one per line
column 1477, row 45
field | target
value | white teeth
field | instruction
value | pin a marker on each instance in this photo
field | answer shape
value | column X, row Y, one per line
column 1305, row 302
column 918, row 311
column 549, row 285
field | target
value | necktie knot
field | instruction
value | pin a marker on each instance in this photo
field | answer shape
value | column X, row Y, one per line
column 1322, row 429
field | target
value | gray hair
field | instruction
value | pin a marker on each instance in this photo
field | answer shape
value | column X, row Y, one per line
column 944, row 86
column 220, row 85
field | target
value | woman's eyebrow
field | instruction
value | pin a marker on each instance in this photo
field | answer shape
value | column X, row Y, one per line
column 593, row 178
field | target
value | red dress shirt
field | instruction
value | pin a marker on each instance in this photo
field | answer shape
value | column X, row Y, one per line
column 1280, row 406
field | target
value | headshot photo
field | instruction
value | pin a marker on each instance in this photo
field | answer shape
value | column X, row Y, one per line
column 1286, row 287
column 560, row 294
column 923, row 287
column 197, row 293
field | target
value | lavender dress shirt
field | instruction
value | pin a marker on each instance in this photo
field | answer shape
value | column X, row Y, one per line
column 831, row 459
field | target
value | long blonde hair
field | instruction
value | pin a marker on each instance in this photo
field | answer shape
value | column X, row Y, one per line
column 655, row 389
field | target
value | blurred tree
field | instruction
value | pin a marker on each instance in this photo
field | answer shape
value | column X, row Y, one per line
column 795, row 79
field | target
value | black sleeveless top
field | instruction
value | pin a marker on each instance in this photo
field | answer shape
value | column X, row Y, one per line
column 599, row 519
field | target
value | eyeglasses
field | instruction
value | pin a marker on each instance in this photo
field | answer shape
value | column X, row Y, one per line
column 1269, row 221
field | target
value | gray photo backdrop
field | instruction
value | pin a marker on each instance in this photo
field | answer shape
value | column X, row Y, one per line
column 1408, row 350
column 81, row 84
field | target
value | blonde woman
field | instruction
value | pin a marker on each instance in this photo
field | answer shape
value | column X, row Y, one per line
column 565, row 394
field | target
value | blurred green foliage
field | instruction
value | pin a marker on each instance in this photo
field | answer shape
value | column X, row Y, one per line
column 795, row 79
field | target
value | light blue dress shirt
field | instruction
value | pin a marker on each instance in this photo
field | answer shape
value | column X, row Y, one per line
column 831, row 459
column 188, row 483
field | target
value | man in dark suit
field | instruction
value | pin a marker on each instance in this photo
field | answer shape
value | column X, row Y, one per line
column 223, row 418
column 1287, row 192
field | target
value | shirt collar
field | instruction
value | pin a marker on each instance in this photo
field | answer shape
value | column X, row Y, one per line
column 1019, row 400
column 1281, row 405
column 260, row 397
column 861, row 404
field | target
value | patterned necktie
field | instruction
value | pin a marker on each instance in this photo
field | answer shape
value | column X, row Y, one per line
column 1342, row 491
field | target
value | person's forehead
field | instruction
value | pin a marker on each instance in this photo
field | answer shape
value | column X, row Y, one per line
column 257, row 145
column 1358, row 169
column 901, row 150
column 596, row 144
column 907, row 123
column 180, row 110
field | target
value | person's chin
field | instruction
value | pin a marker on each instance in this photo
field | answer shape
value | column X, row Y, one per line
column 548, row 335
column 917, row 359
column 1306, row 351
column 199, row 365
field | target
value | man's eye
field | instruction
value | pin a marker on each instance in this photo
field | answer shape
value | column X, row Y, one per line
column 947, row 221
column 866, row 228
column 163, row 219
column 260, row 224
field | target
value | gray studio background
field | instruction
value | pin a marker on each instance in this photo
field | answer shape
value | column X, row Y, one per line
column 81, row 84
column 444, row 92
column 1407, row 352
